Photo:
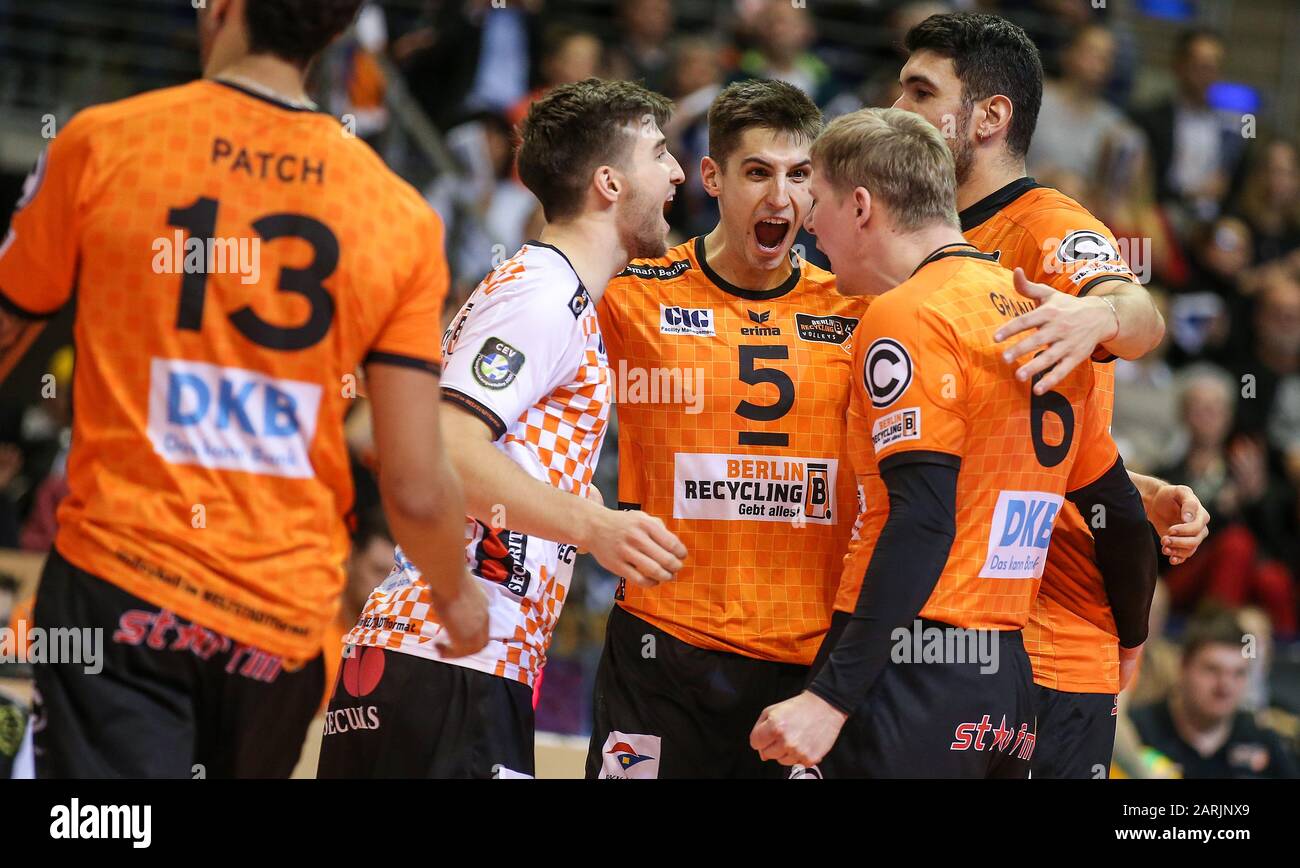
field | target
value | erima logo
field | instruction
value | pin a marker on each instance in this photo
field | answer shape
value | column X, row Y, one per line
column 686, row 321
column 887, row 373
column 1085, row 245
column 760, row 318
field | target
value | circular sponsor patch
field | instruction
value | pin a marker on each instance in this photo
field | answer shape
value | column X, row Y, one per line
column 494, row 368
column 887, row 373
column 1084, row 246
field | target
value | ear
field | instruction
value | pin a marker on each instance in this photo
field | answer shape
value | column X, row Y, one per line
column 608, row 183
column 996, row 120
column 220, row 10
column 862, row 206
column 711, row 176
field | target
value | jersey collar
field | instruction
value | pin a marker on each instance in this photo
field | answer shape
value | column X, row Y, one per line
column 749, row 294
column 957, row 248
column 265, row 97
column 995, row 202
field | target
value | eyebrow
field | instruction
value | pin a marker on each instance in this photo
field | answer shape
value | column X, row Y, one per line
column 805, row 163
column 917, row 78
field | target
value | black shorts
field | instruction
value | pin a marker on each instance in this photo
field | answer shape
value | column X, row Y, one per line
column 396, row 715
column 1076, row 734
column 664, row 708
column 941, row 719
column 172, row 699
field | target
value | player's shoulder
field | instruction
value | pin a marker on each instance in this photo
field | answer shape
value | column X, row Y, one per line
column 676, row 264
column 538, row 280
column 111, row 117
column 1049, row 217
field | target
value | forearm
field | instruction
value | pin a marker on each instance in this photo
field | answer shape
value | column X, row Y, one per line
column 500, row 494
column 1148, row 487
column 429, row 525
column 905, row 566
column 1125, row 550
column 1140, row 325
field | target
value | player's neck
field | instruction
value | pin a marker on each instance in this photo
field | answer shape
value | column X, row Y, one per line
column 592, row 248
column 728, row 262
column 988, row 178
column 904, row 252
column 264, row 73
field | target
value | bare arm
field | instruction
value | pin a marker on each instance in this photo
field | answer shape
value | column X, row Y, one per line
column 423, row 500
column 499, row 493
column 1141, row 327
column 1177, row 515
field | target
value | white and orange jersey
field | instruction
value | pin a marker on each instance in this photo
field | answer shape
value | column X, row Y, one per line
column 525, row 355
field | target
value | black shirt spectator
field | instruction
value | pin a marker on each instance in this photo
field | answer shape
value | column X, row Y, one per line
column 1249, row 752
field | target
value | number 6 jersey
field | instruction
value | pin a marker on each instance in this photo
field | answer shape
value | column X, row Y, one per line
column 524, row 354
column 234, row 259
column 731, row 410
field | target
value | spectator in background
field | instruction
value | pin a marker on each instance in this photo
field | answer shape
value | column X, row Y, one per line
column 642, row 54
column 784, row 35
column 1203, row 726
column 1249, row 509
column 473, row 55
column 8, row 597
column 695, row 79
column 1270, row 201
column 1076, row 126
column 1197, row 151
column 568, row 55
column 1211, row 303
column 1146, row 402
column 47, row 428
column 1266, row 351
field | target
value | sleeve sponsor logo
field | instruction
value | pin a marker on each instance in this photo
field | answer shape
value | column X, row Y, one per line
column 579, row 302
column 719, row 487
column 896, row 427
column 33, row 182
column 1020, row 534
column 231, row 419
column 1090, row 270
column 686, row 321
column 825, row 329
column 1085, row 245
column 497, row 364
column 887, row 373
column 657, row 272
column 501, row 557
column 630, row 755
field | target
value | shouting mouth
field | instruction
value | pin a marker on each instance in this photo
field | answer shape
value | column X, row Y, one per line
column 770, row 234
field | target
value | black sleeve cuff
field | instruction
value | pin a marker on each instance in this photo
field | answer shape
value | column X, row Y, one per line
column 477, row 408
column 9, row 306
column 379, row 357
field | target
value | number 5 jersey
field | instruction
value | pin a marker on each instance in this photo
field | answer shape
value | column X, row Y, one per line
column 731, row 406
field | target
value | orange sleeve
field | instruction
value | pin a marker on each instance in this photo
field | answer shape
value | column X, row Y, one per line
column 38, row 257
column 915, row 377
column 1097, row 449
column 413, row 331
column 1076, row 252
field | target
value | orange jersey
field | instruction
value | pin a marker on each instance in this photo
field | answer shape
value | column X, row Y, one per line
column 930, row 384
column 1071, row 637
column 730, row 409
column 235, row 259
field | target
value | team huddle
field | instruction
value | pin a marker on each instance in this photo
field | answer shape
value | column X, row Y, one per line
column 884, row 533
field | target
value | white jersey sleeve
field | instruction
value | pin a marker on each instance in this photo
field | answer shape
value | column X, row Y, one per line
column 516, row 339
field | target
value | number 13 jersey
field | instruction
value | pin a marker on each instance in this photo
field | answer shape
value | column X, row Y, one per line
column 731, row 406
column 234, row 259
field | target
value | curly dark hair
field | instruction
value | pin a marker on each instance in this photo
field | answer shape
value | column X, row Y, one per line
column 577, row 127
column 297, row 30
column 991, row 56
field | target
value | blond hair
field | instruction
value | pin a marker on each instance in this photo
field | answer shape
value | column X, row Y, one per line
column 898, row 157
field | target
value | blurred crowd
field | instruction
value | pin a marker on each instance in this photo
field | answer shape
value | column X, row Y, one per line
column 1194, row 180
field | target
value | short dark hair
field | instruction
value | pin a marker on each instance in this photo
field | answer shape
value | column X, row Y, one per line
column 9, row 582
column 1189, row 37
column 763, row 103
column 991, row 56
column 1212, row 625
column 296, row 30
column 575, row 128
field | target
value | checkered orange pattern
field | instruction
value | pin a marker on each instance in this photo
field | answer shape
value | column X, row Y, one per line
column 1070, row 637
column 263, row 560
column 557, row 439
column 971, row 406
column 761, row 588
